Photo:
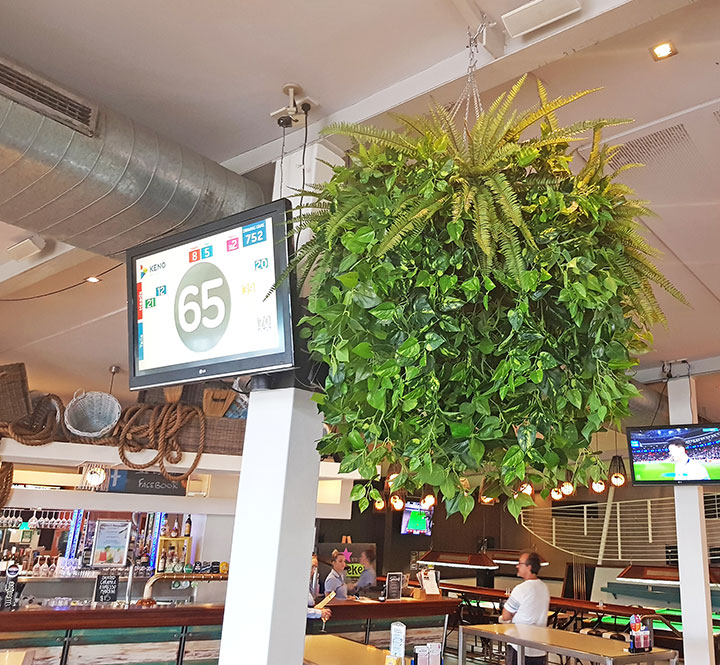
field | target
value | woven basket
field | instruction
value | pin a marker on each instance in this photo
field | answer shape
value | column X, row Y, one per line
column 14, row 395
column 92, row 414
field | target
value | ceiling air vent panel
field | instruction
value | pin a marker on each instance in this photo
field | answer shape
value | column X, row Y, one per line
column 46, row 98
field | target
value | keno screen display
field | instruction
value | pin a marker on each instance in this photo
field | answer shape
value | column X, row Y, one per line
column 197, row 301
column 675, row 454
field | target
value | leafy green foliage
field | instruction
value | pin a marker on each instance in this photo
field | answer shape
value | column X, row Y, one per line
column 478, row 303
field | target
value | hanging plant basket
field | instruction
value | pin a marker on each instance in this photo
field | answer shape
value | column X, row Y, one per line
column 477, row 301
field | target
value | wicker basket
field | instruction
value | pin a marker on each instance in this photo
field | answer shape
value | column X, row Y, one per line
column 14, row 395
column 92, row 414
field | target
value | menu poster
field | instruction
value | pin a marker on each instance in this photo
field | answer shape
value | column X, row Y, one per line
column 106, row 588
column 110, row 547
column 393, row 586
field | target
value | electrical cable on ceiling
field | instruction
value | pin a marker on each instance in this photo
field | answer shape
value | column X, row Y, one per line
column 305, row 109
column 282, row 161
column 67, row 288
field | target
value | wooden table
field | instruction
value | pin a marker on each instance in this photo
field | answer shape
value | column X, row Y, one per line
column 368, row 609
column 573, row 645
column 333, row 650
column 16, row 657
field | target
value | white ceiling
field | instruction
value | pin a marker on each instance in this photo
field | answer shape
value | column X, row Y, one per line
column 208, row 75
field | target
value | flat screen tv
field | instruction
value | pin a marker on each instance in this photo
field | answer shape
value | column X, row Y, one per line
column 675, row 454
column 416, row 520
column 197, row 305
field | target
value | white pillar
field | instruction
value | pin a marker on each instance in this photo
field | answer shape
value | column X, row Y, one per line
column 265, row 608
column 692, row 541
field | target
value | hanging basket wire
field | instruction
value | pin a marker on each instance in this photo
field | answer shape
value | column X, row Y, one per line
column 470, row 96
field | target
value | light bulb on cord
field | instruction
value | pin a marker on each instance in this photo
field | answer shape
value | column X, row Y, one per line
column 567, row 488
column 598, row 486
column 95, row 476
column 618, row 479
column 556, row 494
column 397, row 502
column 379, row 504
column 527, row 488
column 487, row 500
column 428, row 501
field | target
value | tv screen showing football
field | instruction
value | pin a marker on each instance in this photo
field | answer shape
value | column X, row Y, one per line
column 675, row 454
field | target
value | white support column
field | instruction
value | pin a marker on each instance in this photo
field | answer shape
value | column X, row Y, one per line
column 265, row 608
column 692, row 542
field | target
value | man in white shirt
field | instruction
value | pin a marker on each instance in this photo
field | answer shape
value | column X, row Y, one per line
column 685, row 468
column 528, row 604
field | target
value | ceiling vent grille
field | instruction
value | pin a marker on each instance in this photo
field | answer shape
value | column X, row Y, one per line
column 654, row 147
column 45, row 98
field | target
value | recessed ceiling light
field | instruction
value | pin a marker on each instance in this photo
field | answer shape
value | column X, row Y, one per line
column 93, row 279
column 663, row 50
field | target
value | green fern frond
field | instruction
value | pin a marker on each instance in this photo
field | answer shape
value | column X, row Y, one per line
column 337, row 220
column 648, row 270
column 542, row 95
column 531, row 117
column 368, row 134
column 510, row 249
column 409, row 221
column 507, row 200
column 482, row 225
column 625, row 167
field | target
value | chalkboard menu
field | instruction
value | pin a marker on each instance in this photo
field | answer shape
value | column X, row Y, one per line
column 106, row 588
column 143, row 482
column 393, row 586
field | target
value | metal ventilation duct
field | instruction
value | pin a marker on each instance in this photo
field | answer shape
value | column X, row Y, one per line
column 115, row 189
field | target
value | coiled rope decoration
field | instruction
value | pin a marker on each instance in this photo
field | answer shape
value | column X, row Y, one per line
column 160, row 433
column 6, row 478
column 128, row 436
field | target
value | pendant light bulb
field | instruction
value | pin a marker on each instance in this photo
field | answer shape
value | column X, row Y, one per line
column 598, row 486
column 556, row 494
column 428, row 501
column 397, row 502
column 618, row 479
column 379, row 504
column 567, row 488
column 526, row 488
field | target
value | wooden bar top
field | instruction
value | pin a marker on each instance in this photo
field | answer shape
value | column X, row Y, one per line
column 64, row 618
column 333, row 650
column 555, row 602
column 365, row 608
column 557, row 641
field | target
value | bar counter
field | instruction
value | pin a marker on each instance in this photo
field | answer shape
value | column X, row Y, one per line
column 88, row 617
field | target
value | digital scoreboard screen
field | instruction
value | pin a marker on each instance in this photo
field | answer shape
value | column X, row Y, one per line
column 199, row 304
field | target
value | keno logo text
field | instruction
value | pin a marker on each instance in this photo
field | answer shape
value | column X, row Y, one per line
column 153, row 268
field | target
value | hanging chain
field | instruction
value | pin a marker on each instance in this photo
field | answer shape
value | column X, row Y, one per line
column 470, row 96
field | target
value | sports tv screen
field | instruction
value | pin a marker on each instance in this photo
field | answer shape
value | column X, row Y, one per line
column 675, row 454
column 197, row 301
column 416, row 520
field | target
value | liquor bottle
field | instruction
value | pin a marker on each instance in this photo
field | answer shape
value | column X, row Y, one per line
column 162, row 562
column 144, row 557
column 188, row 526
column 164, row 526
column 175, row 530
